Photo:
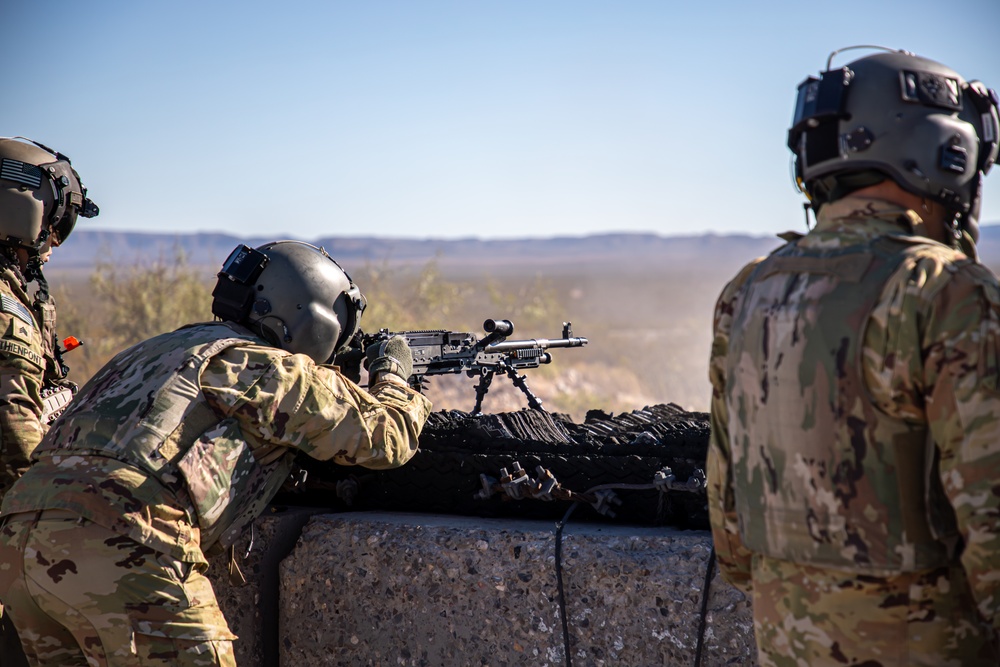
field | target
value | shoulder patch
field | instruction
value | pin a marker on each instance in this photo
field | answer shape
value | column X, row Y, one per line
column 18, row 330
column 11, row 305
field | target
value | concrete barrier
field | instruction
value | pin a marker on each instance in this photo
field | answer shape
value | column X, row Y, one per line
column 381, row 589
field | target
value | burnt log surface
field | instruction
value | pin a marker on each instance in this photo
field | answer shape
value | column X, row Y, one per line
column 459, row 466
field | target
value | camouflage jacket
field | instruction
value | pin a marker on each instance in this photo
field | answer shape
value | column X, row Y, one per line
column 22, row 365
column 855, row 408
column 181, row 440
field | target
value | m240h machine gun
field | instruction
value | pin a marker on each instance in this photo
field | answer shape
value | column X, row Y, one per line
column 437, row 352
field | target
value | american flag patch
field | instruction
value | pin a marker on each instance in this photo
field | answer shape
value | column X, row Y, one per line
column 11, row 305
column 22, row 172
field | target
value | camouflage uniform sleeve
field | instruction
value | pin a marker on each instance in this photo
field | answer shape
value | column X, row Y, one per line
column 287, row 400
column 732, row 555
column 961, row 381
column 21, row 370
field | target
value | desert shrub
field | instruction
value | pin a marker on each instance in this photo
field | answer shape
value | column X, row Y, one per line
column 124, row 304
column 534, row 306
column 400, row 299
column 405, row 298
column 145, row 300
column 639, row 354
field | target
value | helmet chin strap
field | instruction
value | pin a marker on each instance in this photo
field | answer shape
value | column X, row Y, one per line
column 971, row 228
column 33, row 269
column 963, row 233
column 806, row 207
column 33, row 272
column 953, row 230
column 267, row 333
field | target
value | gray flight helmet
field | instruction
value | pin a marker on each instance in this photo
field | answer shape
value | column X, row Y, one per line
column 293, row 294
column 896, row 115
column 41, row 195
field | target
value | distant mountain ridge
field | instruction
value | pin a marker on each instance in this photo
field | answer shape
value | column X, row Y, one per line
column 621, row 248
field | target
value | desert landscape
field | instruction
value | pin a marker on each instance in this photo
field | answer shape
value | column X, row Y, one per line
column 643, row 301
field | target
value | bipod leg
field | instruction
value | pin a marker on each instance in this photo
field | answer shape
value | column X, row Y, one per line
column 534, row 402
column 482, row 387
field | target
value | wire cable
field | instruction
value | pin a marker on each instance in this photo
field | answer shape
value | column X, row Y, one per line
column 559, row 583
column 705, row 590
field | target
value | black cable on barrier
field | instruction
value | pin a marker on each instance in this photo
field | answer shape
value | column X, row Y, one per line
column 705, row 590
column 588, row 496
column 559, row 583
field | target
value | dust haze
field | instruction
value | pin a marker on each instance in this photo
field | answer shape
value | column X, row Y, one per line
column 649, row 330
column 644, row 303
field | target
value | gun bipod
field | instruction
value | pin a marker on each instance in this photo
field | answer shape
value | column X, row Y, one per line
column 519, row 381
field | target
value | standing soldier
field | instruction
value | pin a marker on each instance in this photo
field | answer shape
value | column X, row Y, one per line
column 855, row 450
column 40, row 198
column 176, row 445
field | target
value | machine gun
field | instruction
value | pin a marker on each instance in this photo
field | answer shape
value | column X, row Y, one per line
column 436, row 352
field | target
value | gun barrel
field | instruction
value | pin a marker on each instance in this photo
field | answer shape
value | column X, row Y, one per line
column 536, row 343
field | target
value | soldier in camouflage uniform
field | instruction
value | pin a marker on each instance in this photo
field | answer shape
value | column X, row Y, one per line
column 176, row 445
column 40, row 199
column 855, row 451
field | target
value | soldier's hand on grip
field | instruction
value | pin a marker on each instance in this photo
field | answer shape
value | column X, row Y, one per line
column 389, row 356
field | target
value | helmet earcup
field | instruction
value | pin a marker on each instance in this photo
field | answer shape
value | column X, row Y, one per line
column 313, row 307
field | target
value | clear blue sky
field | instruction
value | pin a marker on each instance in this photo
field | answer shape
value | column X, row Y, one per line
column 447, row 119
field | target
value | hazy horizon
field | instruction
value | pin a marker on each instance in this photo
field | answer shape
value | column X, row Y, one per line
column 86, row 229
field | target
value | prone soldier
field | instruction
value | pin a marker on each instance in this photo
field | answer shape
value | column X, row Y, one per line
column 176, row 445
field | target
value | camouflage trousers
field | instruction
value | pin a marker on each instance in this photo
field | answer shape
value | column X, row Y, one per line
column 818, row 617
column 11, row 653
column 81, row 594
